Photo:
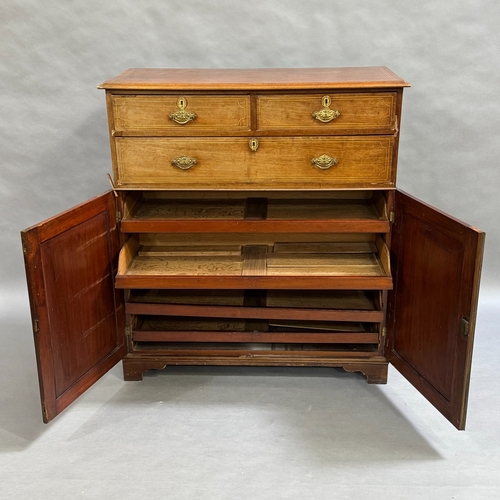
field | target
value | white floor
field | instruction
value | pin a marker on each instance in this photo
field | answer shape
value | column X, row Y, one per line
column 245, row 433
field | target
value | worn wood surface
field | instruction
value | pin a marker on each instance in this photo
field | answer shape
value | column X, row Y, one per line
column 258, row 337
column 78, row 317
column 253, row 312
column 149, row 115
column 254, row 79
column 360, row 112
column 437, row 262
column 279, row 163
column 375, row 369
column 271, row 215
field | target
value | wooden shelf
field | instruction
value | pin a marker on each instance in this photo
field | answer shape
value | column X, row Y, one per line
column 253, row 312
column 331, row 265
column 199, row 350
column 256, row 214
column 271, row 305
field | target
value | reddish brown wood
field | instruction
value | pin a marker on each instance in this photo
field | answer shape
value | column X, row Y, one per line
column 254, row 79
column 375, row 373
column 436, row 266
column 253, row 312
column 77, row 315
column 256, row 282
column 374, row 369
column 253, row 226
column 259, row 337
column 134, row 369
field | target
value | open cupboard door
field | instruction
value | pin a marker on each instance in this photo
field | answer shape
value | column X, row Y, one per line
column 436, row 265
column 78, row 318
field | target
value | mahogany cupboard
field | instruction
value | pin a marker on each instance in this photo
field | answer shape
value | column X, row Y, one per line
column 254, row 220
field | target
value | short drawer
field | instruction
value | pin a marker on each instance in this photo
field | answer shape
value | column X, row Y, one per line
column 278, row 163
column 144, row 115
column 328, row 113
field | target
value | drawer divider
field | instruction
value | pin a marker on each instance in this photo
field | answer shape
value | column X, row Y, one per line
column 289, row 313
column 254, row 260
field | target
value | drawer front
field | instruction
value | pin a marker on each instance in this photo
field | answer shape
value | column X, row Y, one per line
column 180, row 114
column 341, row 113
column 278, row 163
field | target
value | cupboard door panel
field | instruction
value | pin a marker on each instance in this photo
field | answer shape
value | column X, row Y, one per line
column 436, row 263
column 77, row 315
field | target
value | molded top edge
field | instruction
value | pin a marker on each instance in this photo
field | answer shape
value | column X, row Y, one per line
column 254, row 79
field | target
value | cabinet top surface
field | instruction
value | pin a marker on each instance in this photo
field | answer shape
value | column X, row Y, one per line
column 254, row 79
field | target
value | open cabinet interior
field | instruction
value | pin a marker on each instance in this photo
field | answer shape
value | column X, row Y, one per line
column 262, row 275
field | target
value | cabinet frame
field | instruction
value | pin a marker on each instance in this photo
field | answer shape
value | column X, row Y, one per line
column 85, row 318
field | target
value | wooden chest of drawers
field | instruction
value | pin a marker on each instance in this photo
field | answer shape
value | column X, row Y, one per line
column 254, row 220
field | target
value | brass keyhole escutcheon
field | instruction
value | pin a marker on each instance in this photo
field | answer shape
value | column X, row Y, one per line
column 326, row 114
column 254, row 144
column 181, row 116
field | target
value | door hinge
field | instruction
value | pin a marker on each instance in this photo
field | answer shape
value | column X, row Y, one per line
column 36, row 325
column 384, row 331
column 128, row 331
column 44, row 412
column 464, row 327
column 392, row 217
column 118, row 217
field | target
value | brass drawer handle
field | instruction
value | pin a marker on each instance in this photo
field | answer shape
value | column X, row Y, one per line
column 184, row 162
column 324, row 162
column 326, row 114
column 181, row 116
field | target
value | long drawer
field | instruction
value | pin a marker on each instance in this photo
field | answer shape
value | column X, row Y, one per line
column 277, row 163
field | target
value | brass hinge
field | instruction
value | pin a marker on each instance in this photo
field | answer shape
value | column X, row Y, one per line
column 128, row 331
column 464, row 327
column 392, row 217
column 44, row 412
column 36, row 325
column 384, row 331
column 118, row 216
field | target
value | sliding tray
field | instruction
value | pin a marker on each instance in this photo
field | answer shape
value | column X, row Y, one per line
column 341, row 212
column 343, row 264
column 255, row 320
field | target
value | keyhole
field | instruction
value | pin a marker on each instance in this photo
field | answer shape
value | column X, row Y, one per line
column 254, row 144
column 182, row 102
column 326, row 101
